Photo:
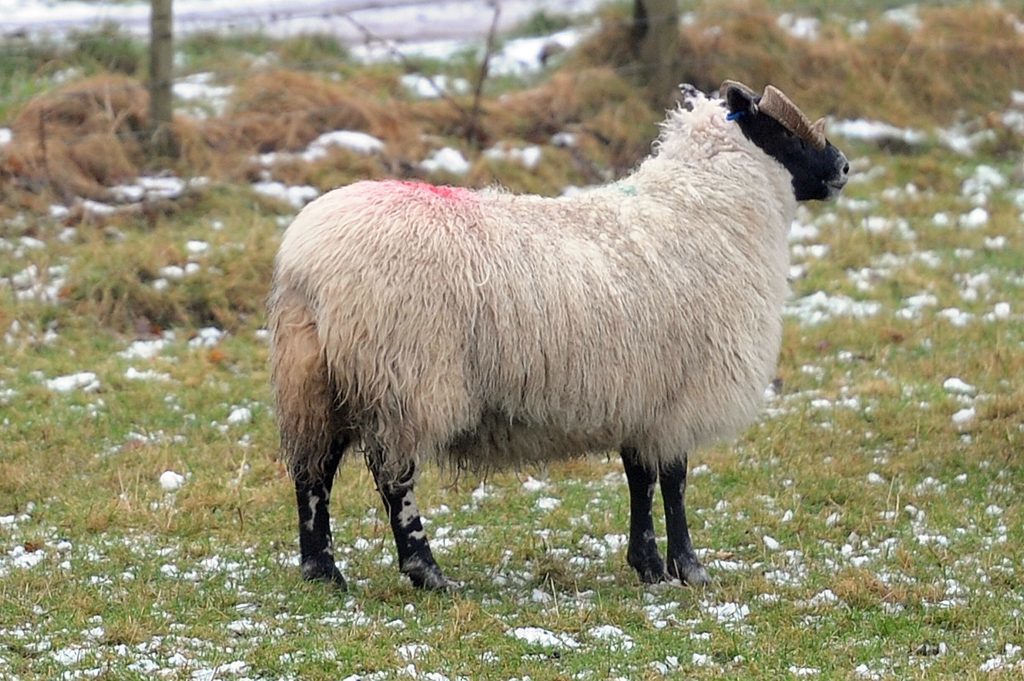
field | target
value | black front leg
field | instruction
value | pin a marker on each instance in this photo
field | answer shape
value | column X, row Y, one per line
column 642, row 553
column 313, row 498
column 414, row 556
column 682, row 561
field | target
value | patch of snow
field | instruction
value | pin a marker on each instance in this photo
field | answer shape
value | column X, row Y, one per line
column 906, row 17
column 819, row 307
column 803, row 671
column 564, row 139
column 240, row 415
column 826, row 597
column 543, row 637
column 200, row 88
column 956, row 316
column 614, row 635
column 144, row 349
column 24, row 559
column 528, row 156
column 448, row 160
column 726, row 613
column 85, row 381
column 196, row 247
column 1010, row 651
column 433, row 87
column 701, row 660
column 958, row 386
column 353, row 140
column 172, row 272
column 171, row 481
column 133, row 374
column 964, row 417
column 976, row 219
column 803, row 28
column 71, row 655
column 522, row 56
column 531, row 484
column 206, row 337
column 875, row 131
column 296, row 196
column 548, row 503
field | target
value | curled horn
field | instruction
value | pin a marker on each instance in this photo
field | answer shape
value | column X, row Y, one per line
column 726, row 84
column 777, row 105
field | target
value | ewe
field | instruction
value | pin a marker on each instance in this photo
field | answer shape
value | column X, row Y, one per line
column 485, row 330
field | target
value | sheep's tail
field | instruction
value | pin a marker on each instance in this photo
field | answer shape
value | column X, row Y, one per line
column 301, row 385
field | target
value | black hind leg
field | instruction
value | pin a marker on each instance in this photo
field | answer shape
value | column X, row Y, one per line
column 313, row 498
column 414, row 556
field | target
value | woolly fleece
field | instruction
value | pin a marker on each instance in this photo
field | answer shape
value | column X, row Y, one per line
column 486, row 329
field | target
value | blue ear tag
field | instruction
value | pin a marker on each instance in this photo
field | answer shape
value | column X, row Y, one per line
column 733, row 115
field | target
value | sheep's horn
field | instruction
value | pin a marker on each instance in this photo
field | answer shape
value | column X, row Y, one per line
column 777, row 105
column 726, row 84
column 818, row 127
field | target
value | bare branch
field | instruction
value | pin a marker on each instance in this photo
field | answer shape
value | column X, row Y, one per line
column 371, row 37
column 473, row 133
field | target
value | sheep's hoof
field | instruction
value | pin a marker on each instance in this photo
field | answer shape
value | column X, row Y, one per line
column 428, row 576
column 651, row 573
column 434, row 580
column 690, row 573
column 323, row 570
column 647, row 564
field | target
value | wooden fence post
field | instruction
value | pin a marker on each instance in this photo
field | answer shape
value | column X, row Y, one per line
column 161, row 64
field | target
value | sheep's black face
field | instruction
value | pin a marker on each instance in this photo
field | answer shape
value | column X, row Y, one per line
column 818, row 174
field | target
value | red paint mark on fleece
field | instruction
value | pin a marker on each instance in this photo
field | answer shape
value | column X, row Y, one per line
column 407, row 188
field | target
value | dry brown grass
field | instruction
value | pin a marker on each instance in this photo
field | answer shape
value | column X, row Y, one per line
column 286, row 110
column 81, row 138
column 84, row 137
column 961, row 60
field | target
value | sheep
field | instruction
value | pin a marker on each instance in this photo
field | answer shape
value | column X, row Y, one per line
column 482, row 329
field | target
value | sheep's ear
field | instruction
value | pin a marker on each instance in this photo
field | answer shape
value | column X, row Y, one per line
column 739, row 98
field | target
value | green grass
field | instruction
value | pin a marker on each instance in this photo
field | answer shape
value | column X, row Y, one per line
column 898, row 537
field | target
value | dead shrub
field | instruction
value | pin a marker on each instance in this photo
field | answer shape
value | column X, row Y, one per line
column 80, row 139
column 960, row 60
column 286, row 110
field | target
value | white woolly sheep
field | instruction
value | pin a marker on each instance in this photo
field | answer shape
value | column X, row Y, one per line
column 484, row 329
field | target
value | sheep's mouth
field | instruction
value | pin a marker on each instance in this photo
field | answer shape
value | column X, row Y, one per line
column 835, row 186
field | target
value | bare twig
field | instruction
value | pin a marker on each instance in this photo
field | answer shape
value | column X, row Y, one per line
column 473, row 132
column 44, row 152
column 371, row 37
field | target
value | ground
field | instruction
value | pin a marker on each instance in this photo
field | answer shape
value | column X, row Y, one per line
column 869, row 525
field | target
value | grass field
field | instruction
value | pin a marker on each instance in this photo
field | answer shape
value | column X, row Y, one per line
column 869, row 526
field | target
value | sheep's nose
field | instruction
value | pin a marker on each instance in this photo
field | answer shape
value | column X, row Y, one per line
column 846, row 168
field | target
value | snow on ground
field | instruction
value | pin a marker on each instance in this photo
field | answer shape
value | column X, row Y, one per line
column 528, row 156
column 447, row 160
column 399, row 20
column 875, row 131
column 85, row 381
column 433, row 87
column 543, row 638
column 296, row 196
column 198, row 93
column 320, row 148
